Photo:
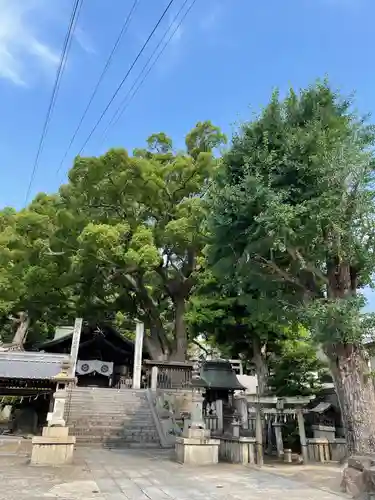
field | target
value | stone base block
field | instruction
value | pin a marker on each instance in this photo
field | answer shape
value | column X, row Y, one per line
column 194, row 451
column 55, row 432
column 194, row 433
column 15, row 445
column 54, row 447
column 239, row 450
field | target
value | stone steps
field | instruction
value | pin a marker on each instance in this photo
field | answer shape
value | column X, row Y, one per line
column 115, row 428
column 111, row 418
column 112, row 412
column 100, row 419
column 116, row 443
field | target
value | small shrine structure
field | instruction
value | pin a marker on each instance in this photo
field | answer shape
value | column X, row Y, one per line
column 219, row 382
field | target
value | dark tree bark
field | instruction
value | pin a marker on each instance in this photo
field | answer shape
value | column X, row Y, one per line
column 180, row 333
column 350, row 370
column 22, row 324
column 355, row 391
column 260, row 362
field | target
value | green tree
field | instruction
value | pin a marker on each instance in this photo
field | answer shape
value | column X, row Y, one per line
column 227, row 320
column 283, row 355
column 132, row 227
column 295, row 369
column 34, row 290
column 292, row 214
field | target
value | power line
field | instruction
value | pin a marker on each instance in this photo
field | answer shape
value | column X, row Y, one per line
column 60, row 70
column 127, row 75
column 101, row 77
column 126, row 102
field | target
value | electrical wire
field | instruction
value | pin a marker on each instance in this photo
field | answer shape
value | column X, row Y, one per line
column 101, row 77
column 60, row 70
column 127, row 100
column 126, row 76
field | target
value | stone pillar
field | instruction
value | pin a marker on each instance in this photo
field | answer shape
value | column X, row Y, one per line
column 195, row 446
column 219, row 414
column 197, row 421
column 137, row 365
column 154, row 377
column 279, row 438
column 288, row 456
column 259, row 436
column 241, row 406
column 302, row 435
column 236, row 427
column 75, row 345
column 56, row 417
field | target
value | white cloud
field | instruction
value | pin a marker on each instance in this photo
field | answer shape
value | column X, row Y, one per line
column 26, row 30
column 176, row 28
column 22, row 48
column 83, row 40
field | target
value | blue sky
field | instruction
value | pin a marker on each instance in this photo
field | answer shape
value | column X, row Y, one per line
column 222, row 65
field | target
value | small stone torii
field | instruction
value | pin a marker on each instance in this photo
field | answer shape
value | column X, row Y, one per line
column 279, row 407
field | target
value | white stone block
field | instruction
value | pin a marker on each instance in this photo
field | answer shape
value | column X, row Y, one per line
column 197, row 451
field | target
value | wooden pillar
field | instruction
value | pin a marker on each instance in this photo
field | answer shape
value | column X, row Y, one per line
column 259, row 435
column 302, row 435
column 75, row 345
column 137, row 365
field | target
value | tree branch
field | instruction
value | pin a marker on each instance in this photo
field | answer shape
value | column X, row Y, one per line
column 280, row 272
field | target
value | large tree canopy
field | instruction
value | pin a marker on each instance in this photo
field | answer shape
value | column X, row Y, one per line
column 34, row 285
column 121, row 238
column 293, row 216
column 283, row 354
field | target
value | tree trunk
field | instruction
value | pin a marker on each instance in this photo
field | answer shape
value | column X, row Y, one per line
column 260, row 363
column 356, row 394
column 22, row 329
column 155, row 342
column 353, row 382
column 181, row 343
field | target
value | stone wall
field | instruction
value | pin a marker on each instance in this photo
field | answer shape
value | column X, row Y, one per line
column 171, row 408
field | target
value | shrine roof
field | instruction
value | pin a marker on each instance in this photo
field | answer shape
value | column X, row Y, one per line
column 219, row 375
column 88, row 332
column 30, row 365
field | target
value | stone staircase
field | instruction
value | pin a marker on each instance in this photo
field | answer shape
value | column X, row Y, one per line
column 111, row 417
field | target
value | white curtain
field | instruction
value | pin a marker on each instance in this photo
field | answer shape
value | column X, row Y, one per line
column 94, row 366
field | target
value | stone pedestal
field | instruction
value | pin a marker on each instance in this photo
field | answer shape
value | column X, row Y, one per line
column 197, row 448
column 53, row 447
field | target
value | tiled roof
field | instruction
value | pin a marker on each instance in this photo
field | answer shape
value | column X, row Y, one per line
column 30, row 365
